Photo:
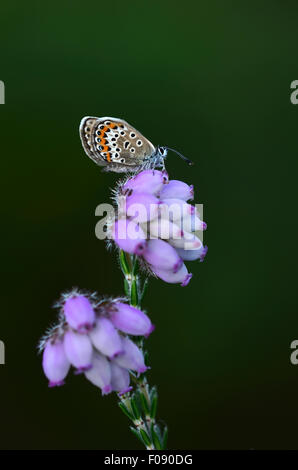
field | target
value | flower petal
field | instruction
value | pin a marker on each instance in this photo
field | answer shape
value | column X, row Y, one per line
column 191, row 255
column 129, row 236
column 163, row 228
column 79, row 313
column 188, row 241
column 120, row 379
column 78, row 350
column 132, row 358
column 106, row 338
column 159, row 254
column 182, row 276
column 175, row 209
column 100, row 374
column 151, row 181
column 55, row 363
column 142, row 207
column 130, row 320
column 177, row 189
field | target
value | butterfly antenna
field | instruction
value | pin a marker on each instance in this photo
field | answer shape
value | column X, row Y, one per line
column 189, row 162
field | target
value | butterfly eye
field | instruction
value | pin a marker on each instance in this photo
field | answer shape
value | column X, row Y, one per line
column 139, row 143
column 122, row 160
column 132, row 150
column 126, row 144
column 107, row 123
column 122, row 133
column 132, row 135
column 116, row 135
column 118, row 150
column 101, row 127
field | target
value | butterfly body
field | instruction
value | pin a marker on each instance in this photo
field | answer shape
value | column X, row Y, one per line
column 117, row 146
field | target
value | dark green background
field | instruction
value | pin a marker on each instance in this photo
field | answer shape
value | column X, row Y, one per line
column 212, row 79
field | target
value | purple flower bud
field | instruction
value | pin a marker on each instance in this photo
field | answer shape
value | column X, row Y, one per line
column 106, row 338
column 131, row 320
column 78, row 350
column 182, row 276
column 159, row 254
column 189, row 241
column 132, row 358
column 55, row 363
column 164, row 228
column 100, row 374
column 151, row 181
column 142, row 207
column 191, row 223
column 204, row 253
column 175, row 209
column 79, row 313
column 191, row 255
column 120, row 379
column 177, row 189
column 129, row 236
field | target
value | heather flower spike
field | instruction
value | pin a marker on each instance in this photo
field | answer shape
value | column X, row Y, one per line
column 158, row 224
column 155, row 229
column 93, row 350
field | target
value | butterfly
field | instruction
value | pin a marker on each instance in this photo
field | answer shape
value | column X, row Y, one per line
column 117, row 146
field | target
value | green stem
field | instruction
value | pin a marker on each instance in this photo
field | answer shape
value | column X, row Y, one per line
column 140, row 405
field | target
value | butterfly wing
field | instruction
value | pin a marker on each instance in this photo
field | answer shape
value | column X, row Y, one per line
column 87, row 129
column 115, row 144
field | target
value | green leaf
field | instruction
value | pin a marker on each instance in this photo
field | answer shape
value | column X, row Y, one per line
column 126, row 287
column 135, row 408
column 144, row 290
column 135, row 267
column 134, row 293
column 138, row 435
column 123, row 262
column 153, row 408
column 156, row 437
column 153, row 392
column 165, row 438
column 144, row 403
column 125, row 411
column 145, row 437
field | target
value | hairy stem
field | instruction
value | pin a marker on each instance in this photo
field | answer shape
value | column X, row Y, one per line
column 140, row 405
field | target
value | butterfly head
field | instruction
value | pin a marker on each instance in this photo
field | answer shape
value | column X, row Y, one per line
column 162, row 152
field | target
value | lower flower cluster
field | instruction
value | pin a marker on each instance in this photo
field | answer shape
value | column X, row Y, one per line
column 94, row 337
